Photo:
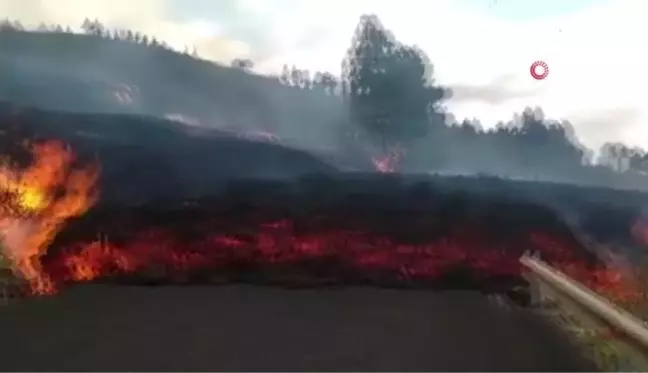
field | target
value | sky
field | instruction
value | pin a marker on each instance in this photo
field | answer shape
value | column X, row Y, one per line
column 482, row 49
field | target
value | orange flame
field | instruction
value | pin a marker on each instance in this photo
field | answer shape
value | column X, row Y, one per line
column 37, row 200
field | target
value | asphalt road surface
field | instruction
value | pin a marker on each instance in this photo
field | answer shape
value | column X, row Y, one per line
column 245, row 328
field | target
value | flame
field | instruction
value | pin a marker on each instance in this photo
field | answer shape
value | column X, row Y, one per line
column 37, row 200
column 220, row 245
column 390, row 162
column 30, row 198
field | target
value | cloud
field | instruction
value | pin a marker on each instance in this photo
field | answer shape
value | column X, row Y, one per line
column 500, row 91
column 594, row 51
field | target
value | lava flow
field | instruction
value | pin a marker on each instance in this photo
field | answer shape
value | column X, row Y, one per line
column 178, row 243
column 306, row 255
column 36, row 202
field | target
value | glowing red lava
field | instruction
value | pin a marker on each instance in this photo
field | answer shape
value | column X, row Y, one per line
column 41, row 198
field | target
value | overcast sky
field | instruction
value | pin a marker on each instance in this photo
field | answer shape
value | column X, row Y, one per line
column 481, row 48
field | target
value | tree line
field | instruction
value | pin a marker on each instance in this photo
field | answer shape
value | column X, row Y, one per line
column 98, row 29
column 394, row 100
column 395, row 103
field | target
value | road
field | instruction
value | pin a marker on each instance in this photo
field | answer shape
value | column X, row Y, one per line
column 246, row 328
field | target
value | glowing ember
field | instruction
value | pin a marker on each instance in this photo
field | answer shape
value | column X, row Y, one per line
column 390, row 162
column 326, row 252
column 36, row 202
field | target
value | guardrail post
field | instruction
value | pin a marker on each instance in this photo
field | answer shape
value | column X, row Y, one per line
column 537, row 296
column 595, row 303
column 575, row 299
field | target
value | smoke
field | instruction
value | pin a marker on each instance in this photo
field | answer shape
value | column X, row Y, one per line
column 485, row 59
column 198, row 92
column 15, row 234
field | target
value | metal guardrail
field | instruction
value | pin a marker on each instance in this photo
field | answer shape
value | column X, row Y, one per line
column 624, row 321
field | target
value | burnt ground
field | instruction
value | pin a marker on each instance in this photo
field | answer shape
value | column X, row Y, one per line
column 248, row 328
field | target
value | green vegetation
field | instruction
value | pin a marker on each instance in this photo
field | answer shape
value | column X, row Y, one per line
column 610, row 351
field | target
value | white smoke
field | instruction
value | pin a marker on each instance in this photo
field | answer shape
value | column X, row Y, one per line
column 13, row 235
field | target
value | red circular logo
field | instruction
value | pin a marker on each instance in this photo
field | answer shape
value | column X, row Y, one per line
column 539, row 70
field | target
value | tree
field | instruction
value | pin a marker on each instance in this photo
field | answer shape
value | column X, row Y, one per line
column 93, row 27
column 18, row 26
column 317, row 80
column 329, row 82
column 305, row 81
column 388, row 87
column 7, row 26
column 284, row 77
column 544, row 145
column 295, row 76
column 613, row 156
column 243, row 64
column 87, row 26
column 324, row 81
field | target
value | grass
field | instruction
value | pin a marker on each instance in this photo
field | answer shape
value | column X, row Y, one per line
column 611, row 352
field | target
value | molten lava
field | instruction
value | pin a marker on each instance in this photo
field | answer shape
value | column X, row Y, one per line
column 36, row 202
column 321, row 252
column 39, row 199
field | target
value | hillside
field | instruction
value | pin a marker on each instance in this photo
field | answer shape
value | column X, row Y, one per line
column 82, row 73
column 144, row 158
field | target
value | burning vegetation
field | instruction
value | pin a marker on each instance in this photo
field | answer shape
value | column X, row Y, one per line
column 389, row 162
column 36, row 202
column 322, row 232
